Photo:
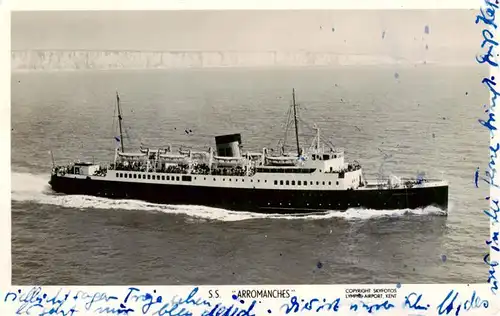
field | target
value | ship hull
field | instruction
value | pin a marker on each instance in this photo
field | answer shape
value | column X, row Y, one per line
column 258, row 200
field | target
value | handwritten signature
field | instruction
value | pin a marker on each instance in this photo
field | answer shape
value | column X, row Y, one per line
column 137, row 301
column 64, row 303
column 297, row 305
column 452, row 303
column 486, row 16
column 36, row 302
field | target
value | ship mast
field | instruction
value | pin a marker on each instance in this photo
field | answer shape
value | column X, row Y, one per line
column 318, row 141
column 120, row 120
column 295, row 119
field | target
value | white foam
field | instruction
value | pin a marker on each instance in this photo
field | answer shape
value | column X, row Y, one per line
column 28, row 187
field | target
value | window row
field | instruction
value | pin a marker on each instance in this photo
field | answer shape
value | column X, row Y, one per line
column 152, row 177
column 304, row 183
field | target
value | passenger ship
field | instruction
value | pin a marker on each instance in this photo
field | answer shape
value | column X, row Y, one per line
column 306, row 181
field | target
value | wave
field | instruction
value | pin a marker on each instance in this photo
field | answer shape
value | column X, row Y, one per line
column 27, row 187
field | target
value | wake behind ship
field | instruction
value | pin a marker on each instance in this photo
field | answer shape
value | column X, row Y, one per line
column 307, row 181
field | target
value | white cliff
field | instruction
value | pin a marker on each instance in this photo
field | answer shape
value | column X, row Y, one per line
column 104, row 60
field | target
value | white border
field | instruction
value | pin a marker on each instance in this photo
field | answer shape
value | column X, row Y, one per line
column 434, row 291
column 28, row 5
column 5, row 201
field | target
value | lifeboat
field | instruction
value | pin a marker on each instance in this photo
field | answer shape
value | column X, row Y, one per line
column 281, row 161
column 161, row 150
column 201, row 155
column 175, row 159
column 228, row 161
column 131, row 155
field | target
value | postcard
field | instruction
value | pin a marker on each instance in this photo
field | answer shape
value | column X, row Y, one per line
column 225, row 159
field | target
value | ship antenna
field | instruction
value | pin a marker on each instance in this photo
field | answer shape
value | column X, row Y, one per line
column 295, row 119
column 120, row 120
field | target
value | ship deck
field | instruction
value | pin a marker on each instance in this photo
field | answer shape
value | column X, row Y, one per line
column 384, row 185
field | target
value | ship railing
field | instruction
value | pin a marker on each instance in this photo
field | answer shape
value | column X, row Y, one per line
column 235, row 171
column 178, row 169
column 403, row 182
column 201, row 169
column 137, row 168
column 314, row 150
column 101, row 172
column 349, row 168
column 62, row 170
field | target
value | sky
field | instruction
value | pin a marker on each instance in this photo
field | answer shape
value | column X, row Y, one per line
column 413, row 35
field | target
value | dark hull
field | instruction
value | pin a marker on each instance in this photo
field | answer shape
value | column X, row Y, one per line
column 257, row 200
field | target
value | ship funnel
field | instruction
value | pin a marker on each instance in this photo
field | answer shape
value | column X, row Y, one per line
column 228, row 145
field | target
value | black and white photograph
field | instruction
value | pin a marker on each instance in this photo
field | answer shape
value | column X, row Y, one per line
column 247, row 147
